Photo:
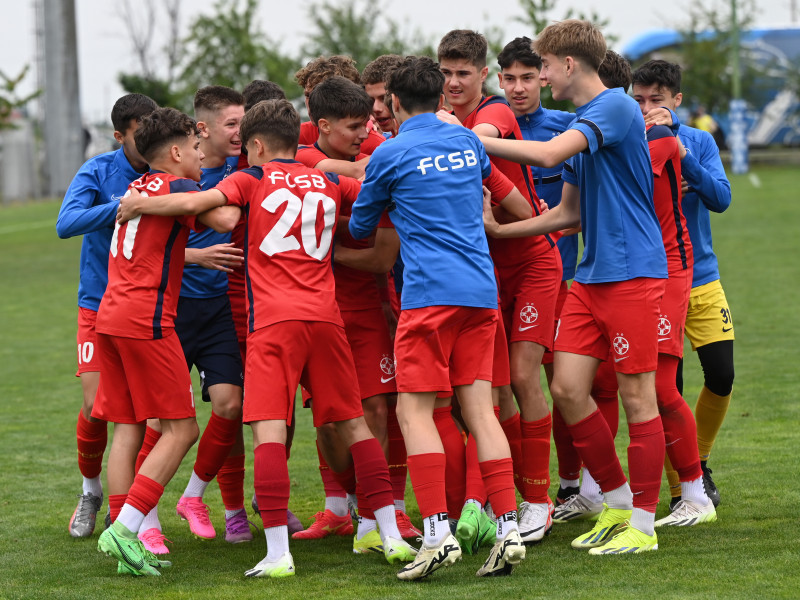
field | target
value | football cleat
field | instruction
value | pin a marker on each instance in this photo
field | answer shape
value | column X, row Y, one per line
column 196, row 512
column 237, row 528
column 153, row 541
column 565, row 493
column 283, row 567
column 469, row 527
column 85, row 516
column 628, row 541
column 293, row 524
column 673, row 502
column 405, row 526
column 429, row 559
column 534, row 521
column 503, row 556
column 711, row 489
column 370, row 542
column 611, row 522
column 576, row 508
column 687, row 513
column 398, row 550
column 325, row 523
column 127, row 550
column 487, row 536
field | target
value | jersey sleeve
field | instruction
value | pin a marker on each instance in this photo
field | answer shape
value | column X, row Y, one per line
column 607, row 121
column 499, row 185
column 704, row 172
column 236, row 187
column 348, row 187
column 310, row 156
column 500, row 115
column 79, row 213
column 374, row 139
column 663, row 147
column 568, row 174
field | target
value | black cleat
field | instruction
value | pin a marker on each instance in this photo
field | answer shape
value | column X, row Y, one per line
column 565, row 494
column 708, row 484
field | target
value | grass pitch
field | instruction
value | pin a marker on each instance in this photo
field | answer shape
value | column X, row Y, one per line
column 751, row 551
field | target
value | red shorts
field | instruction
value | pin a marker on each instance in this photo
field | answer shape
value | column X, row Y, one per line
column 313, row 353
column 674, row 306
column 87, row 342
column 620, row 317
column 547, row 358
column 528, row 295
column 142, row 379
column 373, row 355
column 437, row 346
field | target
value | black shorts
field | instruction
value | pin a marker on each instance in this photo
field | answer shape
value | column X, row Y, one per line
column 208, row 338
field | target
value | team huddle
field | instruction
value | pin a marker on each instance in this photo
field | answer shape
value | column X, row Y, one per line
column 403, row 258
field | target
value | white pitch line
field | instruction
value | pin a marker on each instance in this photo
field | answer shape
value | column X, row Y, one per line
column 27, row 227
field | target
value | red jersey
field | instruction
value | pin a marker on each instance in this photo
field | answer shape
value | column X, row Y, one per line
column 665, row 159
column 145, row 266
column 309, row 134
column 290, row 226
column 495, row 111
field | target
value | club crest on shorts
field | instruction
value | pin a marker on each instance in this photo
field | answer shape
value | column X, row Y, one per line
column 620, row 344
column 387, row 365
column 664, row 326
column 528, row 314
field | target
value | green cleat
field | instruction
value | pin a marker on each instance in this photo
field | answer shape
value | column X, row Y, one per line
column 630, row 541
column 398, row 551
column 371, row 542
column 283, row 567
column 469, row 528
column 487, row 536
column 128, row 549
column 610, row 523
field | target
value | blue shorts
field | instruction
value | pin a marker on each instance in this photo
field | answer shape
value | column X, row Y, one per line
column 208, row 338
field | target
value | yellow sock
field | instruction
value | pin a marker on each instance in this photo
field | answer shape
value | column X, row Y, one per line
column 672, row 478
column 709, row 413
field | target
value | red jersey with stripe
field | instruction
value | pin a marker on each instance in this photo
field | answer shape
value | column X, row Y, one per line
column 145, row 266
column 495, row 111
column 309, row 134
column 665, row 159
column 291, row 217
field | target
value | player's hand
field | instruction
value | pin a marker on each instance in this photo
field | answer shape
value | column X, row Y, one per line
column 447, row 117
column 490, row 224
column 127, row 208
column 543, row 208
column 658, row 116
column 219, row 257
column 681, row 147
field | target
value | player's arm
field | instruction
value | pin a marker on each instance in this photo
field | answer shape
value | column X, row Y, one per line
column 220, row 257
column 135, row 203
column 706, row 175
column 222, row 219
column 564, row 216
column 78, row 213
column 380, row 258
column 344, row 167
column 542, row 154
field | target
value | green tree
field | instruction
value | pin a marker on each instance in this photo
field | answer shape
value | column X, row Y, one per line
column 10, row 100
column 355, row 28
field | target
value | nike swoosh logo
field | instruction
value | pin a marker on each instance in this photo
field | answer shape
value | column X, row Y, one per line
column 724, row 330
column 619, row 359
column 387, row 379
column 521, row 328
column 663, row 339
column 138, row 565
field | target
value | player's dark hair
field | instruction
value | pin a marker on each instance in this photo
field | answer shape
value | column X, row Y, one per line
column 131, row 107
column 276, row 122
column 323, row 67
column 161, row 128
column 378, row 70
column 615, row 71
column 338, row 98
column 579, row 39
column 463, row 44
column 213, row 98
column 519, row 50
column 259, row 90
column 660, row 72
column 417, row 83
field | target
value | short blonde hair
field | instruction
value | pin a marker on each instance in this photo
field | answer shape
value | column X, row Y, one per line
column 579, row 39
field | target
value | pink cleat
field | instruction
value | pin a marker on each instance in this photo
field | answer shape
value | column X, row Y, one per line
column 153, row 541
column 196, row 512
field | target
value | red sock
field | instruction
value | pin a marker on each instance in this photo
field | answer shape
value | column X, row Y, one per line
column 398, row 471
column 92, row 440
column 231, row 482
column 498, row 477
column 215, row 446
column 680, row 429
column 271, row 482
column 115, row 504
column 427, row 472
column 455, row 457
column 144, row 494
column 475, row 488
column 151, row 436
column 372, row 473
column 569, row 461
column 514, row 436
column 605, row 393
column 595, row 444
column 536, row 465
column 364, row 506
column 645, row 462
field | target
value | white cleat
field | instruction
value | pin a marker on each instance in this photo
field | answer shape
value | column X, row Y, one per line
column 283, row 567
column 535, row 521
column 504, row 555
column 429, row 559
column 688, row 513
